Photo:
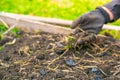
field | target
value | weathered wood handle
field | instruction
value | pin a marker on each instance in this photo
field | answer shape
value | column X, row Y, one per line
column 34, row 23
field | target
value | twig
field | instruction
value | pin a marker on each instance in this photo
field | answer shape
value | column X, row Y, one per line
column 81, row 29
column 104, row 50
column 97, row 46
column 67, row 71
column 103, row 72
column 78, row 68
column 57, row 58
column 4, row 23
column 9, row 29
column 56, row 67
column 89, row 54
column 86, row 67
column 117, row 71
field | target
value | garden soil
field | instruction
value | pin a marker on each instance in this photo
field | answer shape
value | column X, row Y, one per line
column 41, row 56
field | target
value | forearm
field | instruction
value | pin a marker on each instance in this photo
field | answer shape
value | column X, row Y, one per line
column 113, row 9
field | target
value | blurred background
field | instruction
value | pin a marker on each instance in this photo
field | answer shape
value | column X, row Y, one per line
column 65, row 9
column 62, row 9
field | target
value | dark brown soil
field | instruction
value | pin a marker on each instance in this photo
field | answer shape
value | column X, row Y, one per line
column 41, row 56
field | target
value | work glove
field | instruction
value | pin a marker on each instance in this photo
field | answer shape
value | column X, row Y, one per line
column 92, row 21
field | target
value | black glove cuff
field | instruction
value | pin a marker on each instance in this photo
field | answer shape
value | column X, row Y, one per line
column 105, row 14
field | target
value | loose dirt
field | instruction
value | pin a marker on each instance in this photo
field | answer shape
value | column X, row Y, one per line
column 41, row 56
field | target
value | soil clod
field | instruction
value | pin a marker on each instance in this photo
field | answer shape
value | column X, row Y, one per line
column 41, row 57
column 59, row 52
column 59, row 75
column 95, row 71
column 70, row 63
column 43, row 72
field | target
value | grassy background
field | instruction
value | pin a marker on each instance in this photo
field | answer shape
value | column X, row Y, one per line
column 63, row 9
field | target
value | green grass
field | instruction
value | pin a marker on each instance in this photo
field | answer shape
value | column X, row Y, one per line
column 2, row 29
column 15, row 31
column 113, row 33
column 63, row 9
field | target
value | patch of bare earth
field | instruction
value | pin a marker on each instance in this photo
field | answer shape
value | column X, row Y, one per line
column 40, row 56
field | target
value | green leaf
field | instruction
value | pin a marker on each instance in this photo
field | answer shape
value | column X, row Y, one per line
column 0, row 37
column 1, row 48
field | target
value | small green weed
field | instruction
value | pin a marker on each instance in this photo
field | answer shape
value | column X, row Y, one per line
column 1, row 48
column 16, row 32
column 0, row 37
column 2, row 29
column 70, row 42
column 67, row 46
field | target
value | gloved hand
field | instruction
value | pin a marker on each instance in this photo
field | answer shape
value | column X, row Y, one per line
column 92, row 21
